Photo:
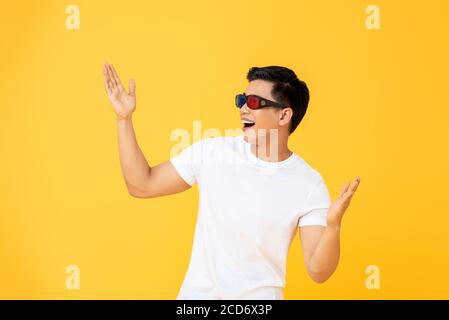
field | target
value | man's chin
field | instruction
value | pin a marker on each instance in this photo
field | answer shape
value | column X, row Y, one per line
column 250, row 136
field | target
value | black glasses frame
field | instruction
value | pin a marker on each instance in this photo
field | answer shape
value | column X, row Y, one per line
column 262, row 104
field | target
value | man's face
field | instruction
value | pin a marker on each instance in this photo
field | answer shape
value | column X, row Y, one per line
column 265, row 118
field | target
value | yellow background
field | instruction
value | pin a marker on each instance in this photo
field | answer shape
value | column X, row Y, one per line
column 378, row 109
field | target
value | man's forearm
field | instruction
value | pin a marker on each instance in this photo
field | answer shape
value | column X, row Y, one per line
column 135, row 167
column 324, row 259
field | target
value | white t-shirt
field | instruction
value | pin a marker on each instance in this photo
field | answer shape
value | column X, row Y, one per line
column 249, row 212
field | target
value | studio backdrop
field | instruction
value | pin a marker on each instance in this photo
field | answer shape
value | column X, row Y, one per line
column 377, row 72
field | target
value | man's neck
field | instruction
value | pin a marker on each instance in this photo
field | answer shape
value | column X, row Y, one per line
column 268, row 152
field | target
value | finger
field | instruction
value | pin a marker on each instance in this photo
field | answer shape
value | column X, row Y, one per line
column 352, row 189
column 347, row 200
column 344, row 189
column 107, row 84
column 110, row 77
column 116, row 78
column 110, row 87
column 132, row 88
column 355, row 184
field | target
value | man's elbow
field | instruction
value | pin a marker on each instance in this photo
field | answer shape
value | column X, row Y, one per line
column 137, row 193
column 319, row 276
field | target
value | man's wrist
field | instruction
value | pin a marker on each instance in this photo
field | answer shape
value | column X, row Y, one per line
column 124, row 119
column 334, row 226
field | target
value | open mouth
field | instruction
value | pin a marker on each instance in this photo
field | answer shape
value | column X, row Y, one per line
column 248, row 124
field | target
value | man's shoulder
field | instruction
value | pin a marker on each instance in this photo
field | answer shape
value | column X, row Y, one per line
column 308, row 170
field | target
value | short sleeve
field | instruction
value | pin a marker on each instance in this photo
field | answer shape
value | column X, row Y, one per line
column 317, row 206
column 189, row 161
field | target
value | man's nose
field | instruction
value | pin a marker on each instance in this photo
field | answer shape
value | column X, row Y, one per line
column 245, row 109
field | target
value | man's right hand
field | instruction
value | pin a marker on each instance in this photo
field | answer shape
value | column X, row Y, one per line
column 124, row 103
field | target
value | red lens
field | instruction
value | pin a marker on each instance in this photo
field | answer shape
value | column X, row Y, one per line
column 252, row 102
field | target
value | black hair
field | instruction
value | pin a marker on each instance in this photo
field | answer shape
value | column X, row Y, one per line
column 287, row 89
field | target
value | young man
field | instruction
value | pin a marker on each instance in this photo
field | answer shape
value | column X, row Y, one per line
column 254, row 192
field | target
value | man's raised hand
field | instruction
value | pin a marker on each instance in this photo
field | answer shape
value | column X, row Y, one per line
column 124, row 103
column 339, row 206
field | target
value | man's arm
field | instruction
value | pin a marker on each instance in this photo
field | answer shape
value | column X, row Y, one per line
column 321, row 245
column 321, row 249
column 141, row 180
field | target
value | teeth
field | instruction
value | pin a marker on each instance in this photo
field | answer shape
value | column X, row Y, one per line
column 245, row 121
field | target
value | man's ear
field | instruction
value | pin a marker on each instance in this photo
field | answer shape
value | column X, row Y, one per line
column 285, row 115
